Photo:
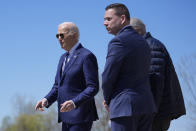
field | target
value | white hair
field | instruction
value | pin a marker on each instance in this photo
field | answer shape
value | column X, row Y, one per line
column 135, row 22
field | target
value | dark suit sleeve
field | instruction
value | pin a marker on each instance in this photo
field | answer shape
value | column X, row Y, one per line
column 114, row 60
column 52, row 95
column 90, row 70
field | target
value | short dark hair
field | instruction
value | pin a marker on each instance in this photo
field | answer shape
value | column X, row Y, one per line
column 120, row 9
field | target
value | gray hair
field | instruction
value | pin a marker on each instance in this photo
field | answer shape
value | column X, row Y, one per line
column 135, row 22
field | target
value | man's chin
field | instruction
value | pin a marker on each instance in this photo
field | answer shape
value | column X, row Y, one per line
column 110, row 32
column 62, row 47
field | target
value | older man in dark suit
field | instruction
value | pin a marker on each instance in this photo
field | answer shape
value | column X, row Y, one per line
column 125, row 80
column 76, row 83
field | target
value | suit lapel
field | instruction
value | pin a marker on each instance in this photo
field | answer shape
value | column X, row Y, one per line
column 70, row 63
column 72, row 60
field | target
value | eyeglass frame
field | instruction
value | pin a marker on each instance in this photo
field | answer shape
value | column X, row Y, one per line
column 61, row 35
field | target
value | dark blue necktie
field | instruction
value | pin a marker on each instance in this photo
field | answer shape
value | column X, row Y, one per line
column 65, row 62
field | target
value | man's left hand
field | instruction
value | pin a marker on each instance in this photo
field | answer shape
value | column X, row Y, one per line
column 106, row 106
column 67, row 106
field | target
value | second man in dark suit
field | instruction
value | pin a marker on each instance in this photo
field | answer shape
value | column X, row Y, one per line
column 125, row 80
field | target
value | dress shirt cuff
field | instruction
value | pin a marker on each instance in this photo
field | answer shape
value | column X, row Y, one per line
column 46, row 105
column 73, row 104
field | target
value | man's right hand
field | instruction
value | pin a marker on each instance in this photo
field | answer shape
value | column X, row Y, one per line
column 41, row 104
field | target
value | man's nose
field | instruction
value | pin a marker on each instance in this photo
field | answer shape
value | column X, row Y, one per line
column 59, row 38
column 105, row 23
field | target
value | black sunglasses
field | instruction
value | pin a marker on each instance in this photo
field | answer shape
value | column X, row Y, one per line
column 60, row 35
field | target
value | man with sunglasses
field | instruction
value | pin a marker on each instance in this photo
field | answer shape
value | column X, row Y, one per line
column 76, row 83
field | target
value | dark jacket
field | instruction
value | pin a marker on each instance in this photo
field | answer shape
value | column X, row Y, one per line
column 78, row 83
column 164, row 81
column 125, row 80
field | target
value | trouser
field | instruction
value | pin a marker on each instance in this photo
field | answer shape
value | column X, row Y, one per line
column 132, row 123
column 161, row 124
column 77, row 127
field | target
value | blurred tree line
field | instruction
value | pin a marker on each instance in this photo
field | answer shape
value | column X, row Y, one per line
column 25, row 118
column 187, row 76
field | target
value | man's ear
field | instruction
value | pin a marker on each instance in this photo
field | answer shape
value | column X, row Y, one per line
column 75, row 37
column 123, row 19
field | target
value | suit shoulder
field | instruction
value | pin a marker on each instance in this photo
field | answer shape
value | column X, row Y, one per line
column 63, row 55
column 130, row 35
column 86, row 52
column 115, row 39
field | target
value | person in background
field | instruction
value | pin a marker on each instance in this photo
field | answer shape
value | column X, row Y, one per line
column 76, row 83
column 163, row 79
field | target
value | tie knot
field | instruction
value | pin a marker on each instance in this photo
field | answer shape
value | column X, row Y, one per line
column 67, row 54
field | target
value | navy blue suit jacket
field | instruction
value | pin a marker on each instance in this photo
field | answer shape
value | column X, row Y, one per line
column 125, row 79
column 78, row 83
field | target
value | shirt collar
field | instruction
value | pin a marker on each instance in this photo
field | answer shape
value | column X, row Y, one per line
column 127, row 26
column 147, row 35
column 74, row 48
